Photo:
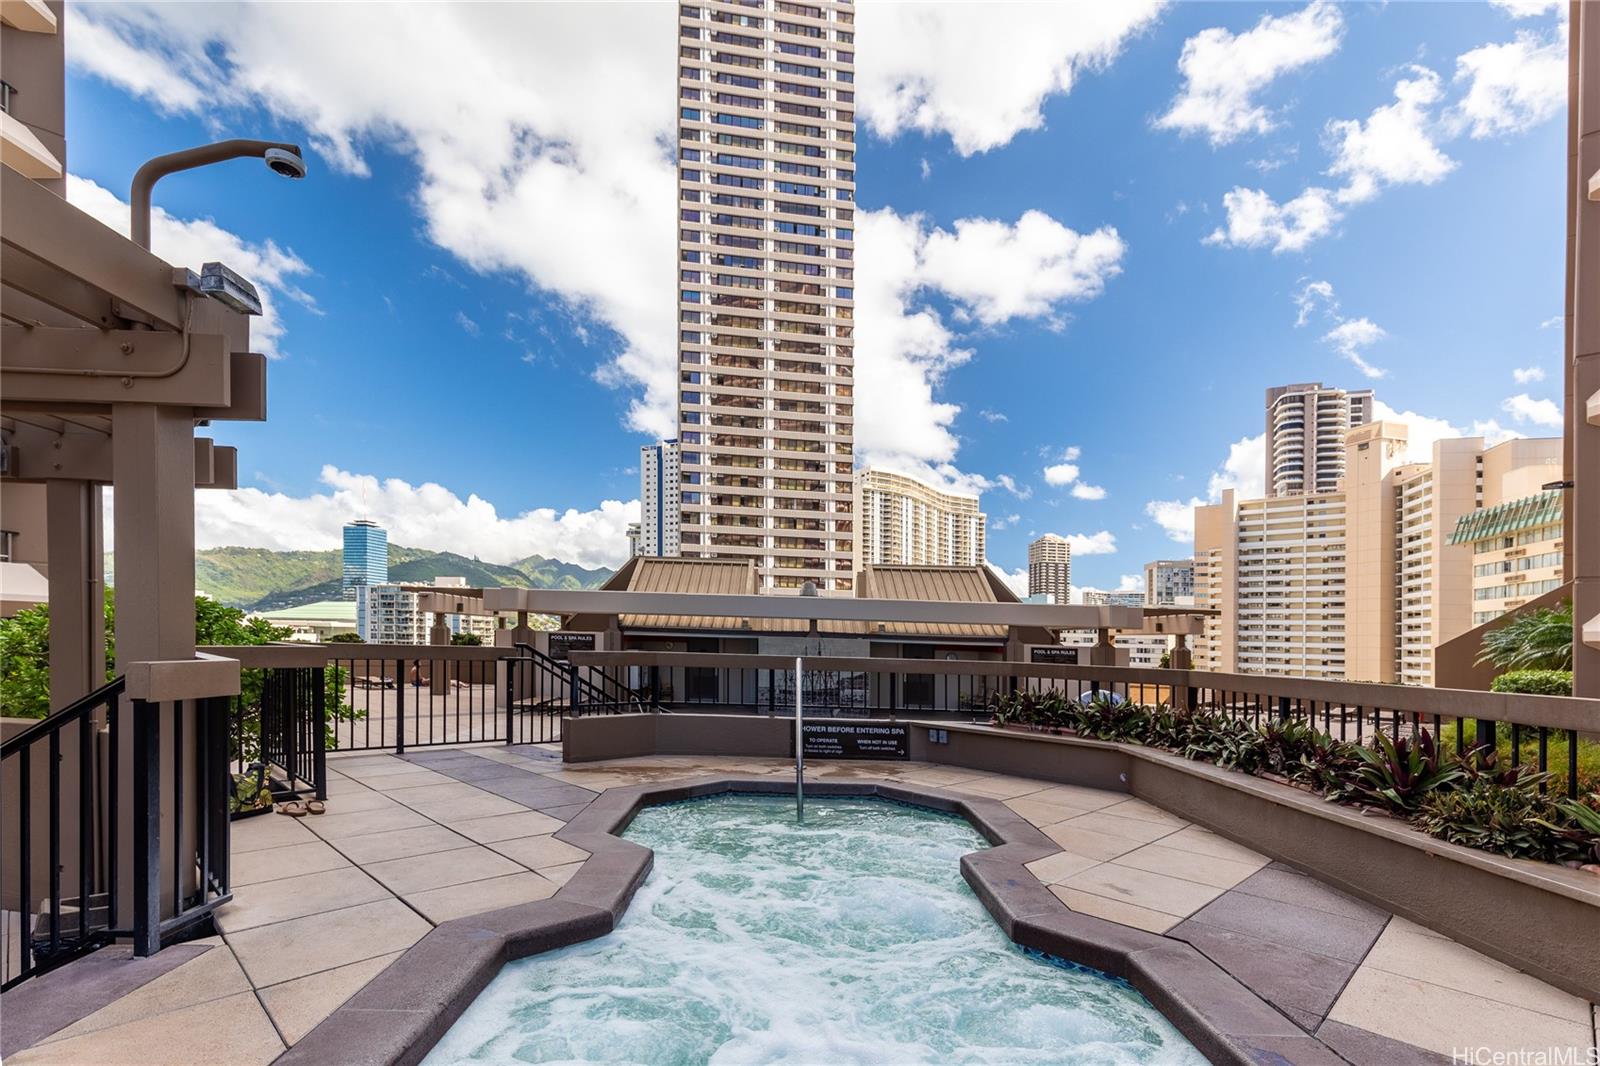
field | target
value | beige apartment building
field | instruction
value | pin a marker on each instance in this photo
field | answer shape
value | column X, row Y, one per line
column 1306, row 424
column 1516, row 552
column 1168, row 582
column 908, row 522
column 766, row 301
column 1050, row 568
column 1364, row 582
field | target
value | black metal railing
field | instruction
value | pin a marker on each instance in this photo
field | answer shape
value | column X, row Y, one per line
column 1546, row 732
column 61, row 856
column 94, row 818
column 290, row 711
column 413, row 701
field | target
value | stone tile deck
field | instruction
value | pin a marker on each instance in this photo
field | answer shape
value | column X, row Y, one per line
column 323, row 904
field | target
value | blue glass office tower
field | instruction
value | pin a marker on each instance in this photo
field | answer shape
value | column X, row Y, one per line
column 366, row 556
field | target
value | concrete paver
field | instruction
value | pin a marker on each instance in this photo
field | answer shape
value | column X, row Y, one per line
column 325, row 903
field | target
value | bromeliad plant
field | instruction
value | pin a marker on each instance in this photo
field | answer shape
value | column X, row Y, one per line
column 1105, row 717
column 1399, row 774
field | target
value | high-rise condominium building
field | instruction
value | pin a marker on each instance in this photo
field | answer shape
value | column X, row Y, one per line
column 635, row 534
column 1102, row 598
column 366, row 556
column 766, row 293
column 660, row 492
column 1516, row 552
column 1306, row 425
column 909, row 522
column 1167, row 581
column 1364, row 582
column 1050, row 568
column 393, row 614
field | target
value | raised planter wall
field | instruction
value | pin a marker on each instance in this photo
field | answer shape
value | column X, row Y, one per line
column 621, row 736
column 1538, row 917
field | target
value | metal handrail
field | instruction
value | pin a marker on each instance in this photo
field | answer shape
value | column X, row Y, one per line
column 56, row 720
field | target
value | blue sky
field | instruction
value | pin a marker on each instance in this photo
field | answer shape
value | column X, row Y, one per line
column 470, row 292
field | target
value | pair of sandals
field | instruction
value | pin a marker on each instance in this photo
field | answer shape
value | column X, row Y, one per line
column 301, row 808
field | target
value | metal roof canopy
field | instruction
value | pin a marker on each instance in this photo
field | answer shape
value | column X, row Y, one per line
column 831, row 608
column 1513, row 516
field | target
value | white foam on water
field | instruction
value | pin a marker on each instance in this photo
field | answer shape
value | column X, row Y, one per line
column 851, row 938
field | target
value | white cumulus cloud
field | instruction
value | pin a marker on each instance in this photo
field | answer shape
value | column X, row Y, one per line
column 1243, row 470
column 993, row 273
column 1513, row 86
column 982, row 72
column 1059, row 474
column 1524, row 408
column 1522, row 375
column 1394, row 146
column 1082, row 491
column 540, row 164
column 1256, row 220
column 1101, row 543
column 1223, row 71
column 417, row 516
column 1352, row 337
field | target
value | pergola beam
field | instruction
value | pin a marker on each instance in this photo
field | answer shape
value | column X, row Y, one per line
column 829, row 608
column 39, row 224
column 196, row 376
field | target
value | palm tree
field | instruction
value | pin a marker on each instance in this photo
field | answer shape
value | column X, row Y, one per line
column 1537, row 640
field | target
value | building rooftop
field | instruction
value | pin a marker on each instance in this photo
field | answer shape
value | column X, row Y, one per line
column 321, row 611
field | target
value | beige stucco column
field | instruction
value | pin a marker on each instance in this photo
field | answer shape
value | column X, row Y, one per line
column 1181, row 658
column 153, row 507
column 153, row 478
column 77, row 589
column 1583, row 341
column 1103, row 652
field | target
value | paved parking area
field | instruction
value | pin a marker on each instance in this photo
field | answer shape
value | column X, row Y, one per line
column 323, row 904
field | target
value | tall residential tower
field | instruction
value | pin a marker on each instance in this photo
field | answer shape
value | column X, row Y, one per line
column 1050, row 568
column 659, row 498
column 766, row 293
column 909, row 522
column 1306, row 425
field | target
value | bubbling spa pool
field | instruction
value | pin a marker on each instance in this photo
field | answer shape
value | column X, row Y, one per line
column 848, row 938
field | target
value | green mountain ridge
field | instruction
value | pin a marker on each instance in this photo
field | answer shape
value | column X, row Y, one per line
column 259, row 579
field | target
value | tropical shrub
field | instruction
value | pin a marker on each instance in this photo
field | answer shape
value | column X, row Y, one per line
column 1104, row 717
column 1579, row 823
column 1513, row 820
column 1477, row 800
column 1534, row 640
column 1534, row 682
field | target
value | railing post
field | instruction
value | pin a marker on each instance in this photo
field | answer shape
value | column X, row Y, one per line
column 1283, row 708
column 572, row 688
column 400, row 706
column 319, row 729
column 218, row 828
column 1485, row 734
column 285, row 715
column 146, row 828
column 772, row 691
column 894, row 693
column 1192, row 694
column 511, row 700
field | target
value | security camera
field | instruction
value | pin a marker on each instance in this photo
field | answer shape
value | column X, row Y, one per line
column 285, row 163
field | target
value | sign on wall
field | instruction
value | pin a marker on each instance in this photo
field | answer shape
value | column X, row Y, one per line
column 1057, row 654
column 857, row 740
column 562, row 643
